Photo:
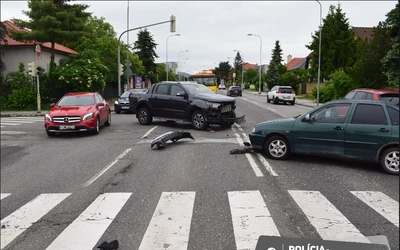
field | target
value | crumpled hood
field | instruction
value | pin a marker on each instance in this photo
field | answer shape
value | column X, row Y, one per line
column 71, row 110
column 214, row 97
column 278, row 124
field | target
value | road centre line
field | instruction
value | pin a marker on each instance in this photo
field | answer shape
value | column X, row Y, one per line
column 266, row 165
column 250, row 158
column 271, row 109
column 148, row 132
column 94, row 178
column 13, row 132
column 11, row 124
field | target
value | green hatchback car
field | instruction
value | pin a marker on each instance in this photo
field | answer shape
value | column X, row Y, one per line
column 363, row 129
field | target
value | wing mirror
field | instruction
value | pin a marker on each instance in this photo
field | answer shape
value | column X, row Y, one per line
column 181, row 94
column 100, row 104
column 306, row 118
column 52, row 105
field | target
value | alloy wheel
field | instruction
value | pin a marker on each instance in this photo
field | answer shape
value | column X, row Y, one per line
column 277, row 148
column 392, row 161
column 198, row 120
column 143, row 116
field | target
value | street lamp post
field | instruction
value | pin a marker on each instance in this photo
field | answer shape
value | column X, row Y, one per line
column 179, row 54
column 242, row 62
column 319, row 50
column 233, row 75
column 259, row 85
column 167, row 52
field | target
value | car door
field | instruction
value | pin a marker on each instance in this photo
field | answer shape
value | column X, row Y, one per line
column 178, row 104
column 102, row 109
column 159, row 101
column 323, row 132
column 367, row 130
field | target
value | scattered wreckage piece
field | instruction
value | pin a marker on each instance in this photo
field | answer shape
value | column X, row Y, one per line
column 174, row 136
column 242, row 151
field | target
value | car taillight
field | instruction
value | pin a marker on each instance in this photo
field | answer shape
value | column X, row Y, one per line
column 293, row 92
column 278, row 92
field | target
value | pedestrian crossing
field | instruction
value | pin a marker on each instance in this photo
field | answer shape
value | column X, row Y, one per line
column 169, row 227
column 15, row 121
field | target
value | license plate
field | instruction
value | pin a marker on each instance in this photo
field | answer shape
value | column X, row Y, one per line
column 64, row 127
column 125, row 107
column 286, row 97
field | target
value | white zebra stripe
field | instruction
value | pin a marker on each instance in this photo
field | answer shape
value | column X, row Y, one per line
column 84, row 232
column 250, row 218
column 170, row 224
column 329, row 222
column 381, row 203
column 17, row 222
column 4, row 195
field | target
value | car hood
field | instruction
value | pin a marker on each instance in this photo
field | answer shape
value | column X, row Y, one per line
column 123, row 99
column 214, row 98
column 71, row 110
column 284, row 123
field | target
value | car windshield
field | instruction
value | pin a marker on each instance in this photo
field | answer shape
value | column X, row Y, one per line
column 76, row 101
column 126, row 94
column 392, row 98
column 198, row 89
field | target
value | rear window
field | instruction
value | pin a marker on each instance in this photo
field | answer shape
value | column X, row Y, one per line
column 285, row 90
column 392, row 98
column 236, row 87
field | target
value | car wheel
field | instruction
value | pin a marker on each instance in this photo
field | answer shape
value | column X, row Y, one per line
column 96, row 130
column 276, row 100
column 268, row 99
column 390, row 160
column 144, row 116
column 117, row 111
column 292, row 102
column 108, row 122
column 277, row 147
column 51, row 134
column 199, row 121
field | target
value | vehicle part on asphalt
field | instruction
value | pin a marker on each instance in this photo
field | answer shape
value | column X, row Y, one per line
column 109, row 246
column 242, row 151
column 240, row 120
column 174, row 136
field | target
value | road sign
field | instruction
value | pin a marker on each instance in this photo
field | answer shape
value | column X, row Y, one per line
column 38, row 50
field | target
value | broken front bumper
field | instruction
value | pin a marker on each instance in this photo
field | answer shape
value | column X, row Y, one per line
column 224, row 118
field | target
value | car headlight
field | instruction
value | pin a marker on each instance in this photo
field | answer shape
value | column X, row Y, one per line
column 213, row 105
column 48, row 117
column 87, row 116
column 116, row 102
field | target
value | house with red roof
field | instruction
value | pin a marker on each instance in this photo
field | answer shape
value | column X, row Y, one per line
column 15, row 52
column 298, row 62
column 363, row 33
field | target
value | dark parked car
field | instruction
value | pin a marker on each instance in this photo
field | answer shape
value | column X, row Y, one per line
column 76, row 112
column 364, row 129
column 374, row 94
column 122, row 104
column 184, row 101
column 234, row 91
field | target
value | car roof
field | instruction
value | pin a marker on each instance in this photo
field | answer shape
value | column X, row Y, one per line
column 378, row 91
column 80, row 93
column 361, row 101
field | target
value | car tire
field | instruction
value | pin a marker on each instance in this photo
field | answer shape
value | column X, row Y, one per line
column 108, row 121
column 275, row 100
column 268, row 100
column 118, row 111
column 50, row 134
column 144, row 116
column 292, row 102
column 96, row 130
column 390, row 160
column 277, row 148
column 198, row 120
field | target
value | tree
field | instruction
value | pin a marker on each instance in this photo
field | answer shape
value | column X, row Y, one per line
column 54, row 22
column 277, row 54
column 3, row 33
column 237, row 65
column 224, row 69
column 272, row 75
column 337, row 45
column 391, row 62
column 249, row 75
column 146, row 50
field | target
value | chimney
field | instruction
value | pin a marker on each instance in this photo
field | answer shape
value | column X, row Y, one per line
column 289, row 58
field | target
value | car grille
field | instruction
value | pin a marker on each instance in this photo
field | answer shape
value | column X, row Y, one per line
column 67, row 119
column 226, row 108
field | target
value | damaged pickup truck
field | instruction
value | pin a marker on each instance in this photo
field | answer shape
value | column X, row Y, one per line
column 184, row 101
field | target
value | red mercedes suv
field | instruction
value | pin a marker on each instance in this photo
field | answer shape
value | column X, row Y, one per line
column 374, row 94
column 79, row 111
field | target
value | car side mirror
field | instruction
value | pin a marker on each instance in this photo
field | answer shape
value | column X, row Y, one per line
column 183, row 94
column 52, row 105
column 306, row 118
column 100, row 104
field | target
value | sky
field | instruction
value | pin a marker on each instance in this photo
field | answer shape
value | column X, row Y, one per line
column 212, row 30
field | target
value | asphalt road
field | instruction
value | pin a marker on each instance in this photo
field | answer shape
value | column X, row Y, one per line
column 75, row 191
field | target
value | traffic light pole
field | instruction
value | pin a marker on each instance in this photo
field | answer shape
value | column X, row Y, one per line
column 172, row 21
column 38, row 94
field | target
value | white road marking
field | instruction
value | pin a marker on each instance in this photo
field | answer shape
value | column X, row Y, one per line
column 13, row 132
column 250, row 158
column 18, row 120
column 250, row 218
column 4, row 195
column 169, row 227
column 246, row 137
column 381, row 203
column 11, row 124
column 329, row 222
column 266, row 165
column 17, row 222
column 148, row 132
column 239, row 127
column 271, row 109
column 94, row 178
column 84, row 232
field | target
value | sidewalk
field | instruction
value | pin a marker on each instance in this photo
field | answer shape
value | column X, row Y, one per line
column 302, row 102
